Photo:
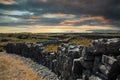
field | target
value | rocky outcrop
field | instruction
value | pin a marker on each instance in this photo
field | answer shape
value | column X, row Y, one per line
column 107, row 46
column 73, row 61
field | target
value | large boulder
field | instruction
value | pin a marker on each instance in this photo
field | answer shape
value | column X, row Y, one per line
column 65, row 55
column 75, row 51
column 107, row 46
column 77, row 68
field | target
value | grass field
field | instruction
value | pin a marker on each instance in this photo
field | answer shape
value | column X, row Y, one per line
column 81, row 41
column 83, row 38
column 51, row 47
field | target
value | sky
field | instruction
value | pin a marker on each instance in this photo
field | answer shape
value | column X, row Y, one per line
column 59, row 16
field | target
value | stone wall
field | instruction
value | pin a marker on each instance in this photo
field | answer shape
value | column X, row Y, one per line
column 73, row 61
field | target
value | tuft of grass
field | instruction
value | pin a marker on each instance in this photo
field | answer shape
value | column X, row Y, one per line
column 1, row 49
column 51, row 47
column 81, row 41
column 15, row 69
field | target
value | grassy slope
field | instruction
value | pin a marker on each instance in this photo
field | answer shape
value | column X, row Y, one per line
column 15, row 69
column 51, row 47
column 81, row 41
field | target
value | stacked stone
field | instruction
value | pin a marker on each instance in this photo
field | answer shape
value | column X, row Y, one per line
column 32, row 50
column 98, row 59
column 73, row 61
column 84, row 64
column 105, row 62
column 66, row 54
column 10, row 47
column 107, row 46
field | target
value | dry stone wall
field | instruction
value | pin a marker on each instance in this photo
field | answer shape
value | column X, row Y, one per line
column 97, row 61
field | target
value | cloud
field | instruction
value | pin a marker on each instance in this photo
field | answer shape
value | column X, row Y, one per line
column 55, row 29
column 13, row 29
column 21, row 13
column 13, row 21
column 8, row 2
column 107, row 8
column 67, row 29
column 77, row 13
column 58, row 15
column 16, row 12
column 7, row 19
column 86, row 20
column 93, row 7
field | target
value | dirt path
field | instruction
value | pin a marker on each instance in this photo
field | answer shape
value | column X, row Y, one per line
column 14, row 67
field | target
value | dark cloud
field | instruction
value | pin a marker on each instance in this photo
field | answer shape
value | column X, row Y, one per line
column 7, row 2
column 11, row 7
column 89, row 22
column 110, row 9
column 107, row 8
